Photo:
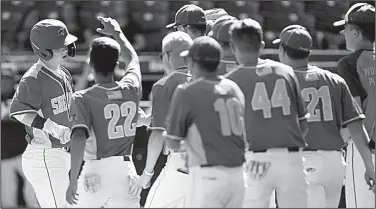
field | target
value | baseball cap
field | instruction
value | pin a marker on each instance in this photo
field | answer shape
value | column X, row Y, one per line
column 176, row 41
column 296, row 37
column 358, row 13
column 221, row 28
column 204, row 49
column 51, row 34
column 189, row 14
column 213, row 14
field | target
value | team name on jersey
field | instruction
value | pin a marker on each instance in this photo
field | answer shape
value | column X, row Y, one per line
column 369, row 72
column 59, row 104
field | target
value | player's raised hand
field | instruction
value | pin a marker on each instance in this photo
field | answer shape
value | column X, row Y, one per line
column 71, row 194
column 110, row 26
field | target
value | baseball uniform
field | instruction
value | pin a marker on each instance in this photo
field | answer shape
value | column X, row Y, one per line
column 331, row 106
column 206, row 114
column 227, row 65
column 173, row 177
column 45, row 162
column 358, row 70
column 108, row 112
column 272, row 95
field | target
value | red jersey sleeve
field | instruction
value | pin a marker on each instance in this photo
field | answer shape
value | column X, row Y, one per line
column 351, row 110
column 79, row 113
column 161, row 96
column 133, row 75
column 28, row 97
column 179, row 116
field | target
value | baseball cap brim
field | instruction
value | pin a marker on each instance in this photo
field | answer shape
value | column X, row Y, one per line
column 70, row 39
column 210, row 33
column 171, row 25
column 276, row 41
column 184, row 53
column 339, row 23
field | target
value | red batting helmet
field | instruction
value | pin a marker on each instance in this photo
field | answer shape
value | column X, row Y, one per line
column 51, row 34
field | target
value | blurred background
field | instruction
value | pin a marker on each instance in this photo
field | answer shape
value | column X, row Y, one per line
column 143, row 23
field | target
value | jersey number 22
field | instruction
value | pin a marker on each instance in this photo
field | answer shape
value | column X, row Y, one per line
column 114, row 112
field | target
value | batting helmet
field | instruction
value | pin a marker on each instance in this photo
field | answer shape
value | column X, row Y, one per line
column 51, row 34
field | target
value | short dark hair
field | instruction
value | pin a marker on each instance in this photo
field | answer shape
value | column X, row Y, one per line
column 295, row 54
column 247, row 34
column 104, row 55
column 367, row 30
column 209, row 66
column 198, row 28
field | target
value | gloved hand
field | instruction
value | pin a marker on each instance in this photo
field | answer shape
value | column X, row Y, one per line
column 58, row 131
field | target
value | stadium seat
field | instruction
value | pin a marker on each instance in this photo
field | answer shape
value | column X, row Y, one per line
column 49, row 9
column 154, row 40
column 269, row 8
column 89, row 10
column 150, row 20
column 269, row 37
column 280, row 21
column 241, row 9
column 149, row 6
column 203, row 4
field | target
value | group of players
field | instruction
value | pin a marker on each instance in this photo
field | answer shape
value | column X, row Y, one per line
column 239, row 131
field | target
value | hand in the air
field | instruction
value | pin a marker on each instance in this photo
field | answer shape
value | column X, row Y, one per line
column 110, row 26
column 71, row 194
column 134, row 185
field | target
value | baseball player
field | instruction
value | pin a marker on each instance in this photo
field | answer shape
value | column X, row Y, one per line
column 275, row 122
column 220, row 32
column 104, row 119
column 212, row 15
column 206, row 114
column 173, row 177
column 358, row 70
column 190, row 19
column 331, row 106
column 41, row 103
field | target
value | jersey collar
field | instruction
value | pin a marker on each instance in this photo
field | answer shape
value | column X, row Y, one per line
column 56, row 72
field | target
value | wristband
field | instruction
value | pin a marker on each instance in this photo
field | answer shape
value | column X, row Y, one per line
column 38, row 122
column 148, row 174
column 371, row 144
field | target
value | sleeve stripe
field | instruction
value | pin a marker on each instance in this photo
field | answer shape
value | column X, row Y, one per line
column 305, row 117
column 80, row 126
column 174, row 137
column 156, row 128
column 21, row 112
column 359, row 117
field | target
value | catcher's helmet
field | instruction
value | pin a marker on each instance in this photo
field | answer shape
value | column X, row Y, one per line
column 51, row 34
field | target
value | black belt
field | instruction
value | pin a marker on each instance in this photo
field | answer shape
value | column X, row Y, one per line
column 290, row 149
column 315, row 150
column 182, row 171
column 125, row 158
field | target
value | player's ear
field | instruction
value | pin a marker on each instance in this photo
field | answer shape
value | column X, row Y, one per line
column 262, row 46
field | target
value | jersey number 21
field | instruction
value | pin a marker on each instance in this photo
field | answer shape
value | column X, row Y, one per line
column 114, row 112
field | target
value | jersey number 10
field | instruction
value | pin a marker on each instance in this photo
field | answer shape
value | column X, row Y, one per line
column 229, row 116
column 114, row 112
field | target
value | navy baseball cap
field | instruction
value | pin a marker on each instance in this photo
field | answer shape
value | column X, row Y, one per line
column 359, row 13
column 221, row 28
column 51, row 34
column 204, row 49
column 296, row 37
column 189, row 14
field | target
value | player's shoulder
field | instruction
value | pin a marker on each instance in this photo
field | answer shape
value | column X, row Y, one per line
column 33, row 72
column 81, row 93
column 276, row 66
column 349, row 60
column 174, row 78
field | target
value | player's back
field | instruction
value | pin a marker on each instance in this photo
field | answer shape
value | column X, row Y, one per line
column 324, row 93
column 273, row 105
column 216, row 105
column 113, row 111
